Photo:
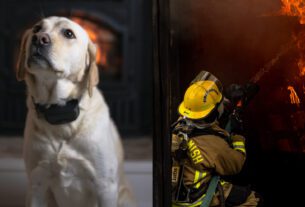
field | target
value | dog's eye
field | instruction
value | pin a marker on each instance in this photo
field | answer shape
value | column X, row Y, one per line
column 37, row 28
column 69, row 34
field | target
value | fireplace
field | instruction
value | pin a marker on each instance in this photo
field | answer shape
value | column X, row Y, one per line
column 121, row 31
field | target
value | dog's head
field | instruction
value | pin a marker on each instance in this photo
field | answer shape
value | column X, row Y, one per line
column 58, row 47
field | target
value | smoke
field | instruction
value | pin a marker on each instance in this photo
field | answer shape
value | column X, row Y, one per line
column 231, row 38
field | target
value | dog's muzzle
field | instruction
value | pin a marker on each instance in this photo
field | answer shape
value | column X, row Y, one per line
column 40, row 47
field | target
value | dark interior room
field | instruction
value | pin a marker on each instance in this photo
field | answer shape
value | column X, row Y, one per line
column 252, row 41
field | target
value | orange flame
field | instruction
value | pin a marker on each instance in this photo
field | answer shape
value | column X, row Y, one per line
column 297, row 8
column 294, row 98
column 294, row 8
column 93, row 37
column 300, row 38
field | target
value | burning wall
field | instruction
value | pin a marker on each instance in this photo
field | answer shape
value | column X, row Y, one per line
column 236, row 40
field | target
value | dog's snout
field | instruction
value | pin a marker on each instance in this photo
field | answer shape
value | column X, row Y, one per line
column 41, row 39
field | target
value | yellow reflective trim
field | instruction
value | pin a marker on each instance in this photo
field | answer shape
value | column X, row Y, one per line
column 239, row 146
column 197, row 174
column 202, row 175
column 238, row 143
column 222, row 182
column 198, row 182
column 198, row 177
column 241, row 149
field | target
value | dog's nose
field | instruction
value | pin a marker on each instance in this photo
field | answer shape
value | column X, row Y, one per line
column 41, row 39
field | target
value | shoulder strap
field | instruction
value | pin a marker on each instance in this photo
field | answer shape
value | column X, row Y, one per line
column 210, row 191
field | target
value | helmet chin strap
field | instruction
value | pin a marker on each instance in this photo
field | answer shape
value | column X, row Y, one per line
column 187, row 125
column 203, row 125
column 220, row 109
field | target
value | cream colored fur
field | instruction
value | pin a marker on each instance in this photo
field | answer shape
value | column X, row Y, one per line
column 79, row 164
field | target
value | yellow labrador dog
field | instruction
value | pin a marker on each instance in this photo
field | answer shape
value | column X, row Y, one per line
column 72, row 151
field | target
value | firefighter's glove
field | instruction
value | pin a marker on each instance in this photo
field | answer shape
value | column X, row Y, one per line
column 251, row 89
column 235, row 93
column 236, row 121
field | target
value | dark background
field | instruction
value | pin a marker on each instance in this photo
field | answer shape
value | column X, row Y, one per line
column 233, row 39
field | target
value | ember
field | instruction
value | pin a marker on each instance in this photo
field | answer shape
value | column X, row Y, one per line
column 294, row 98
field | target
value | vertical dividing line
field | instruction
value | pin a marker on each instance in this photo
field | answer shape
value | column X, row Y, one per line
column 157, row 131
column 162, row 104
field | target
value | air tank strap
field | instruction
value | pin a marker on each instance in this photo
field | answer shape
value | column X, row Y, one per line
column 210, row 191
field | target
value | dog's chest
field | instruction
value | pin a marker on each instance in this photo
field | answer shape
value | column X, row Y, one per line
column 68, row 166
column 69, row 173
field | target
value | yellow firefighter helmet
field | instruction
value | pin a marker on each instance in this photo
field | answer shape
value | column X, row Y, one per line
column 201, row 98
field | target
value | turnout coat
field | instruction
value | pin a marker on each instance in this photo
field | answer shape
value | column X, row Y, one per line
column 208, row 154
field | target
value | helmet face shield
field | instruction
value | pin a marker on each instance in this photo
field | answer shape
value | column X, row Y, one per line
column 207, row 76
column 201, row 97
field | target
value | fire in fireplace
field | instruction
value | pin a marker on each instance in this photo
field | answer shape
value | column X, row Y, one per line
column 108, row 42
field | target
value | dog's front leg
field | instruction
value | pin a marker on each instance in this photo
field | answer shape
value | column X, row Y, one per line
column 107, row 193
column 36, row 195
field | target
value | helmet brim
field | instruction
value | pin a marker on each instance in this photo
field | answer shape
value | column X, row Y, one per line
column 183, row 111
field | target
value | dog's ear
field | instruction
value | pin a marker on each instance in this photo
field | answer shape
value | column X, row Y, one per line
column 21, row 61
column 93, row 75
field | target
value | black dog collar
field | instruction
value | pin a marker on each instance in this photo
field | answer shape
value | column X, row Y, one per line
column 56, row 114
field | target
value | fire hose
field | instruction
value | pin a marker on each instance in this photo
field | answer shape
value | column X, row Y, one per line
column 243, row 94
column 269, row 65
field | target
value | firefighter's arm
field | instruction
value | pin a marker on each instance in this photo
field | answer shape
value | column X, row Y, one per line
column 215, row 153
column 238, row 143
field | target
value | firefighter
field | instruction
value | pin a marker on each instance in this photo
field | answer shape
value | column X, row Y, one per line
column 202, row 150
